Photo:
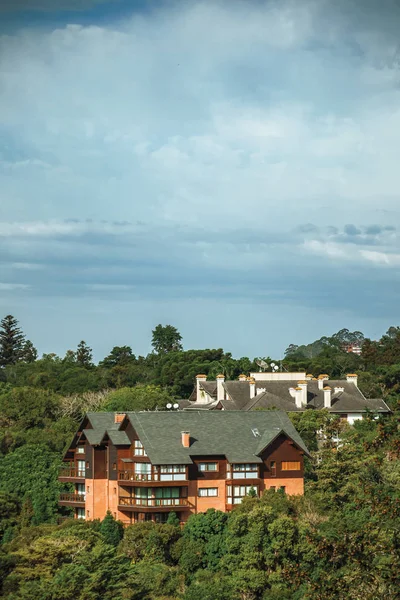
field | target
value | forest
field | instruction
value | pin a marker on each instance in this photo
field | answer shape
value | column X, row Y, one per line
column 341, row 540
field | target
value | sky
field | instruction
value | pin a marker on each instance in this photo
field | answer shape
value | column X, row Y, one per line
column 230, row 168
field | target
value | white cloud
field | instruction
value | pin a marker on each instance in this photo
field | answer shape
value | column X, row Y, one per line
column 10, row 287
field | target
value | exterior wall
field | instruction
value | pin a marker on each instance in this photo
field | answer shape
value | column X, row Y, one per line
column 261, row 376
column 351, row 417
column 103, row 488
column 293, row 486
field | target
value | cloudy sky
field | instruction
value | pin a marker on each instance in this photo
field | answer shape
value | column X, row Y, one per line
column 231, row 168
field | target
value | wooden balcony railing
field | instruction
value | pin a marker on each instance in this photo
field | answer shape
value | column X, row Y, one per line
column 152, row 502
column 72, row 497
column 71, row 472
column 129, row 475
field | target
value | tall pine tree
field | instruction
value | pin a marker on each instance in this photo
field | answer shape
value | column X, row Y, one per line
column 83, row 354
column 12, row 341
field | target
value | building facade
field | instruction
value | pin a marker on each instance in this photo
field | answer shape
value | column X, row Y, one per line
column 290, row 392
column 142, row 466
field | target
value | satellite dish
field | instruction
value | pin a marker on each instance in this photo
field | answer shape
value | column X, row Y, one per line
column 262, row 364
column 176, row 405
column 169, row 405
column 273, row 365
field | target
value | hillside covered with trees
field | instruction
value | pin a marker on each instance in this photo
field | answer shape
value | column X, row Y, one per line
column 340, row 540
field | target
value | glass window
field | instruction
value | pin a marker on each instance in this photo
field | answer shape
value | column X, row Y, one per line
column 208, row 466
column 138, row 449
column 143, row 468
column 208, row 492
column 243, row 471
column 236, row 493
column 80, row 450
column 80, row 468
column 80, row 513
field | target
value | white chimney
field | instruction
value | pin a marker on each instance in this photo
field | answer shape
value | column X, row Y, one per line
column 321, row 380
column 242, row 377
column 252, row 383
column 220, row 387
column 199, row 379
column 303, row 386
column 298, row 394
column 327, row 397
column 352, row 378
column 338, row 390
column 309, row 376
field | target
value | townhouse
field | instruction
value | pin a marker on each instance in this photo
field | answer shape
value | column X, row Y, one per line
column 141, row 466
column 290, row 392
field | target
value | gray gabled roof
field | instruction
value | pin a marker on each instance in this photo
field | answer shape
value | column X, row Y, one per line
column 234, row 434
column 276, row 395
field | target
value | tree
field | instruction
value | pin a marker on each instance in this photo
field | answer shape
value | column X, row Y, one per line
column 12, row 341
column 166, row 338
column 28, row 353
column 111, row 530
column 118, row 357
column 140, row 397
column 84, row 354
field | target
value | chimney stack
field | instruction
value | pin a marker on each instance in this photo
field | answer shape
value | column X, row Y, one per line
column 321, row 380
column 352, row 378
column 298, row 393
column 327, row 397
column 309, row 376
column 220, row 387
column 199, row 379
column 242, row 377
column 303, row 386
column 185, row 439
column 119, row 417
column 252, row 383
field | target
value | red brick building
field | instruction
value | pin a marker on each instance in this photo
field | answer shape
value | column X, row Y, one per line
column 142, row 466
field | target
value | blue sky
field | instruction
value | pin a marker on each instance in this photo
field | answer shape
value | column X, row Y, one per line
column 230, row 168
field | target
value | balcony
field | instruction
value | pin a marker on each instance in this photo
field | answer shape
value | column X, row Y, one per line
column 158, row 503
column 154, row 477
column 71, row 474
column 72, row 499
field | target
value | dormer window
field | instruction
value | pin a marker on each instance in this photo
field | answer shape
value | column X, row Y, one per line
column 138, row 449
column 80, row 450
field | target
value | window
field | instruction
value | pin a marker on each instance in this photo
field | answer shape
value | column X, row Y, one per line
column 80, row 450
column 88, row 489
column 272, row 466
column 80, row 489
column 143, row 471
column 236, row 493
column 80, row 513
column 208, row 466
column 80, row 468
column 208, row 492
column 172, row 473
column 87, row 464
column 114, row 467
column 138, row 449
column 291, row 466
column 242, row 471
column 283, row 488
column 88, row 513
column 161, row 497
column 272, row 487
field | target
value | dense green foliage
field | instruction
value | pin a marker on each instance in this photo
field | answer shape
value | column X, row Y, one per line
column 340, row 540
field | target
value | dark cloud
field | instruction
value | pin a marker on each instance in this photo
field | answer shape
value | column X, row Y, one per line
column 351, row 230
